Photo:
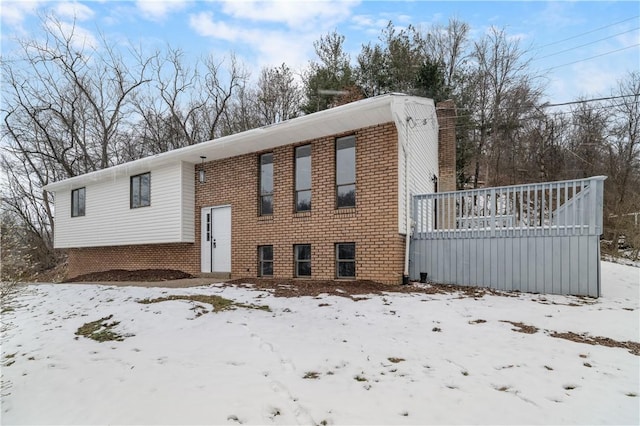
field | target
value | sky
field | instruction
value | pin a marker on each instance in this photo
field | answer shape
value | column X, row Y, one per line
column 580, row 47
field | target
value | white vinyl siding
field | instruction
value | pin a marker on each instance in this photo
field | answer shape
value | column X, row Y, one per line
column 188, row 202
column 417, row 125
column 110, row 220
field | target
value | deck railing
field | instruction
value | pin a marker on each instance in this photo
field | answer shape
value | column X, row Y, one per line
column 541, row 237
column 549, row 208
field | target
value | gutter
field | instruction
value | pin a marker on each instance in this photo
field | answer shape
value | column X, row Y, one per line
column 407, row 210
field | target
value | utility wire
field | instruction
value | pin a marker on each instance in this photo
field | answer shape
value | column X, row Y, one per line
column 586, row 44
column 466, row 126
column 580, row 101
column 593, row 57
column 588, row 32
column 584, row 101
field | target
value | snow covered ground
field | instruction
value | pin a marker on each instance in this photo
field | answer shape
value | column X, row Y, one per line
column 392, row 359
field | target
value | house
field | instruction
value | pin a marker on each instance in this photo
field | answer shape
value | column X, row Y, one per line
column 324, row 196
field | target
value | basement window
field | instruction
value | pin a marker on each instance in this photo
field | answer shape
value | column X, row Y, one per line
column 78, row 202
column 265, row 261
column 140, row 190
column 302, row 256
column 346, row 260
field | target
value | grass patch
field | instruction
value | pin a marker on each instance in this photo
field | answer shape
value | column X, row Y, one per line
column 395, row 360
column 100, row 330
column 311, row 375
column 360, row 378
column 218, row 303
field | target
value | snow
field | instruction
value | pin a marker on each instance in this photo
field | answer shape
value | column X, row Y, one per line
column 248, row 366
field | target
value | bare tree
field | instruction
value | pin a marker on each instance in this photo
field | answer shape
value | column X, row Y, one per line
column 217, row 92
column 624, row 151
column 66, row 107
column 505, row 93
column 278, row 95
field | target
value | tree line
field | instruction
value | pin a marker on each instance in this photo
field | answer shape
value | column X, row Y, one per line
column 69, row 108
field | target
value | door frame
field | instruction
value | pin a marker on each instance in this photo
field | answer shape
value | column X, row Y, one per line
column 204, row 233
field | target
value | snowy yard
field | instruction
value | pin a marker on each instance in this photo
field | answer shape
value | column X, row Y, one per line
column 393, row 359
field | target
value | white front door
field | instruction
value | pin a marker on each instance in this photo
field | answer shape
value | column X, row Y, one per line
column 216, row 239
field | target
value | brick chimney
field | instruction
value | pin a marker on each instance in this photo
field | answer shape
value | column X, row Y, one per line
column 446, row 112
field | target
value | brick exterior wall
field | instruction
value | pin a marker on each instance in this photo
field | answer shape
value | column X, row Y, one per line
column 372, row 224
column 181, row 256
column 446, row 112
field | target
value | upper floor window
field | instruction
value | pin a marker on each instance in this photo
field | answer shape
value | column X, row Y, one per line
column 302, row 257
column 303, row 178
column 141, row 190
column 77, row 202
column 266, row 184
column 265, row 261
column 346, row 172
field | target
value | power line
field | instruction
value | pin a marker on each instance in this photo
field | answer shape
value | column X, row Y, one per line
column 584, row 101
column 579, row 101
column 593, row 57
column 588, row 32
column 586, row 44
column 466, row 126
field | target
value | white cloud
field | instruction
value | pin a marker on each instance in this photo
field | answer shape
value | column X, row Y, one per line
column 271, row 47
column 557, row 14
column 157, row 10
column 74, row 10
column 81, row 38
column 204, row 25
column 295, row 14
column 368, row 22
column 15, row 12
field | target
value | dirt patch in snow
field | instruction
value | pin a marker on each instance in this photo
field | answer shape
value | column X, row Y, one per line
column 355, row 290
column 633, row 347
column 283, row 287
column 136, row 275
column 522, row 327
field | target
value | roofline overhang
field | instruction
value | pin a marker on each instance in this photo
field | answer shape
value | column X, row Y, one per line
column 363, row 113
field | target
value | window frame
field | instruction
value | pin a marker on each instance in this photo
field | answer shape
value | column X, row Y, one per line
column 297, row 261
column 262, row 261
column 339, row 185
column 296, row 189
column 262, row 196
column 80, row 208
column 341, row 260
column 139, row 187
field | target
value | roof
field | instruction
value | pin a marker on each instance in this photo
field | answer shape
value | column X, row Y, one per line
column 355, row 115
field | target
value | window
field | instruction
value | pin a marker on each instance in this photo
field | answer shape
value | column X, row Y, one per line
column 346, row 172
column 141, row 190
column 302, row 256
column 265, row 261
column 77, row 202
column 266, row 184
column 303, row 178
column 346, row 260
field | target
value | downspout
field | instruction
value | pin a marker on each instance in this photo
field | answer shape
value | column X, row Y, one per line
column 407, row 210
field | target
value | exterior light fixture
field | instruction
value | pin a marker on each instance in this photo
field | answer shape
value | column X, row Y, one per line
column 201, row 173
